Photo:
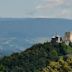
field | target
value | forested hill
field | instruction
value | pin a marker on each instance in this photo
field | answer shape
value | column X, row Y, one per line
column 45, row 57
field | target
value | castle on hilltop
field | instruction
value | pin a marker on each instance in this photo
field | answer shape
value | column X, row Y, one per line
column 67, row 38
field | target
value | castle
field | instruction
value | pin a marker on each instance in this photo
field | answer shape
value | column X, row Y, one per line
column 66, row 39
column 68, row 36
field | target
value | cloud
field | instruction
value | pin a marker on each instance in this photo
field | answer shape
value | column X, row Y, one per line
column 49, row 4
column 40, row 40
column 8, row 40
column 54, row 9
column 1, row 48
column 65, row 13
column 37, row 40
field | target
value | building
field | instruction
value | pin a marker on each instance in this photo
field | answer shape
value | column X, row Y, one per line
column 66, row 39
column 68, row 36
column 56, row 39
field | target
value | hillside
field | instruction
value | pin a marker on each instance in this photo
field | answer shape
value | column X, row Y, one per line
column 45, row 57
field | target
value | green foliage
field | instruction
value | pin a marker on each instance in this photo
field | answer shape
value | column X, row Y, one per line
column 62, row 65
column 65, row 49
column 2, row 68
column 54, row 53
column 45, row 57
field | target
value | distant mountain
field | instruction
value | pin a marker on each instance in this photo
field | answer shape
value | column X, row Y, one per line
column 47, row 57
column 17, row 34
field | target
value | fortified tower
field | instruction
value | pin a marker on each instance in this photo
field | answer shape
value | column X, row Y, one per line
column 68, row 36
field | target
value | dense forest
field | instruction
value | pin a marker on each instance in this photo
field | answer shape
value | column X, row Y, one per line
column 47, row 57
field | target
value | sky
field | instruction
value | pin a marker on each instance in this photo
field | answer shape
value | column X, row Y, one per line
column 36, row 9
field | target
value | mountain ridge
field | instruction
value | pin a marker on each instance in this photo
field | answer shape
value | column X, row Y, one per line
column 34, row 18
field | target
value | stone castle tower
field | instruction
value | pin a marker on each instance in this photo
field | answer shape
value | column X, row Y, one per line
column 68, row 36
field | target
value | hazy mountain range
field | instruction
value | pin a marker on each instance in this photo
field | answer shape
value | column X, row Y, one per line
column 18, row 34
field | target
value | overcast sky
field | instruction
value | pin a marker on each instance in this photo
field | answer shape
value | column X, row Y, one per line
column 36, row 8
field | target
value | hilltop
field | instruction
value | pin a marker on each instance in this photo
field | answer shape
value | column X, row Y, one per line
column 45, row 57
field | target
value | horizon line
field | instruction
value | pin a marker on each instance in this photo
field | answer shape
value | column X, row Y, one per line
column 31, row 18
